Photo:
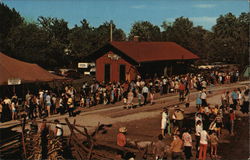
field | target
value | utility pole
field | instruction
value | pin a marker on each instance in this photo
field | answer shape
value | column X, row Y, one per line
column 111, row 34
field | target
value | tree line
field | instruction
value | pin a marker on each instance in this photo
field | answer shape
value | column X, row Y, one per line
column 50, row 43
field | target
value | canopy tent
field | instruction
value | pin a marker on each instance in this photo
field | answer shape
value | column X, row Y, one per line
column 246, row 72
column 11, row 68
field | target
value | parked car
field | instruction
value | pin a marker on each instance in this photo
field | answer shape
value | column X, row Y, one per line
column 72, row 74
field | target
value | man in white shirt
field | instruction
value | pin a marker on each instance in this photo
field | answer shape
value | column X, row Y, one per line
column 198, row 129
column 145, row 94
column 203, row 145
column 187, row 139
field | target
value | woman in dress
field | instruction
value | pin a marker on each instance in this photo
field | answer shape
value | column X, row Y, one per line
column 198, row 100
column 165, row 123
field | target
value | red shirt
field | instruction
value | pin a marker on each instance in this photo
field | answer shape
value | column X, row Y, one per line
column 121, row 139
column 232, row 117
column 182, row 87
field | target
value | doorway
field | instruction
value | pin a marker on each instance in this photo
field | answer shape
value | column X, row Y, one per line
column 107, row 73
column 122, row 72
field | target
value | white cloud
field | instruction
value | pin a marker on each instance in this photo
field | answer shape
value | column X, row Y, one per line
column 204, row 5
column 138, row 6
column 203, row 19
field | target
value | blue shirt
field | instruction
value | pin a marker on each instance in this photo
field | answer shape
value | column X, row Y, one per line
column 234, row 95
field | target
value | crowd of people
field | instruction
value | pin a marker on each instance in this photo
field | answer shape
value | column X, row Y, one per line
column 210, row 123
column 46, row 103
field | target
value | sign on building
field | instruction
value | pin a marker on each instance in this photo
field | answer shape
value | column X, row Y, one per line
column 14, row 81
column 83, row 65
column 86, row 73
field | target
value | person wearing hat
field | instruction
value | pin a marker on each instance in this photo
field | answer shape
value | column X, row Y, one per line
column 121, row 138
column 179, row 117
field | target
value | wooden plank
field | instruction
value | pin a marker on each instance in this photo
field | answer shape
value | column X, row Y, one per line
column 90, row 152
column 117, row 147
column 79, row 131
column 71, row 134
column 23, row 140
column 81, row 148
column 18, row 136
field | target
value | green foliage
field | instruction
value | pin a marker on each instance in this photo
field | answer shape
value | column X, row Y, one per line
column 146, row 31
column 9, row 18
column 231, row 39
column 85, row 39
column 185, row 34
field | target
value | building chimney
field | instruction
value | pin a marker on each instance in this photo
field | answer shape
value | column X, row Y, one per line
column 136, row 38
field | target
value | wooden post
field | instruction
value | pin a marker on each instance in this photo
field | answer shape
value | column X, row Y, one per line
column 71, row 133
column 23, row 140
column 91, row 149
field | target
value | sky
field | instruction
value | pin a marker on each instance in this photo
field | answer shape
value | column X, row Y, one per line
column 125, row 13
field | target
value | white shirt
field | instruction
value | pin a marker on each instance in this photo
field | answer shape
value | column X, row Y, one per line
column 203, row 95
column 198, row 130
column 145, row 89
column 59, row 130
column 164, row 81
column 204, row 137
column 164, row 115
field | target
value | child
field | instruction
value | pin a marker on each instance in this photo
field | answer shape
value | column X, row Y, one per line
column 98, row 98
column 214, row 143
column 87, row 102
column 152, row 94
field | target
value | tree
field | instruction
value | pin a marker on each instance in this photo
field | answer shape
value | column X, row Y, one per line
column 57, row 30
column 10, row 18
column 29, row 43
column 185, row 34
column 179, row 31
column 146, row 31
column 79, row 41
column 231, row 38
column 85, row 39
column 226, row 26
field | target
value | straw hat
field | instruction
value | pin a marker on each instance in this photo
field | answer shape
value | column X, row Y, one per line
column 123, row 129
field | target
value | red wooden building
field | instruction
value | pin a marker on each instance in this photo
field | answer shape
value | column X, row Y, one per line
column 120, row 61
